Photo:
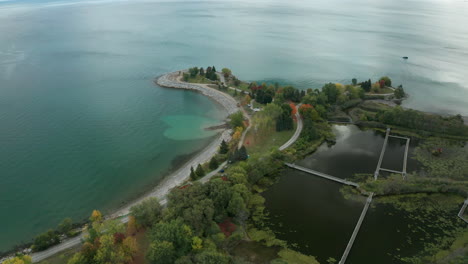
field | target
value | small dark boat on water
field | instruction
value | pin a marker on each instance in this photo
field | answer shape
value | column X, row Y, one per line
column 405, row 58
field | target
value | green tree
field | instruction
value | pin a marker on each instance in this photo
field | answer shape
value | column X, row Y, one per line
column 237, row 119
column 174, row 233
column 224, row 148
column 388, row 81
column 399, row 92
column 213, row 163
column 226, row 72
column 65, row 226
column 46, row 240
column 242, row 154
column 202, row 71
column 199, row 171
column 331, row 92
column 354, row 81
column 148, row 212
column 194, row 72
column 211, row 257
column 161, row 252
column 193, row 175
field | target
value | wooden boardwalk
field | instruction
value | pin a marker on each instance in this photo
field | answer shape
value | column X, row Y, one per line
column 382, row 153
column 462, row 211
column 356, row 229
column 323, row 175
column 376, row 173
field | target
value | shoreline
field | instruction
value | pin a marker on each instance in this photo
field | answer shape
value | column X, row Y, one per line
column 180, row 175
column 174, row 178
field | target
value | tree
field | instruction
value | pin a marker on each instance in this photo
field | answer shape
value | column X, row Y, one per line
column 193, row 175
column 78, row 259
column 237, row 119
column 148, row 212
column 354, row 81
column 237, row 205
column 202, row 71
column 96, row 216
column 174, row 233
column 65, row 226
column 226, row 72
column 194, row 72
column 211, row 257
column 213, row 163
column 46, row 240
column 224, row 148
column 199, row 171
column 214, row 69
column 285, row 121
column 367, row 85
column 161, row 252
column 399, row 92
column 331, row 91
column 242, row 153
column 388, row 81
column 116, row 253
column 308, row 112
column 18, row 260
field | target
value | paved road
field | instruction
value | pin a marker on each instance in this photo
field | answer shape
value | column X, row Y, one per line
column 297, row 133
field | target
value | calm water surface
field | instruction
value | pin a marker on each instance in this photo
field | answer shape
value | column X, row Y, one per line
column 311, row 212
column 83, row 127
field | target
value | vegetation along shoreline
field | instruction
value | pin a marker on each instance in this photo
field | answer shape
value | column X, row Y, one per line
column 214, row 204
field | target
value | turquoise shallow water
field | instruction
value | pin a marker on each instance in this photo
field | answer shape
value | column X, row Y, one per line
column 82, row 126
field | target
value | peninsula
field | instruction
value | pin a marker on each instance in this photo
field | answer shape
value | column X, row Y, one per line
column 211, row 210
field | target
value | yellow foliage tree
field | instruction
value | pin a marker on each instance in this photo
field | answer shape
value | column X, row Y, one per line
column 18, row 260
column 246, row 100
column 96, row 216
column 238, row 133
column 197, row 243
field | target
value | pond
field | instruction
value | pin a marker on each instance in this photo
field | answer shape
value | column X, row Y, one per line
column 310, row 212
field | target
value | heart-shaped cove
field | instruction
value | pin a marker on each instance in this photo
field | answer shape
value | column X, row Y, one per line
column 189, row 127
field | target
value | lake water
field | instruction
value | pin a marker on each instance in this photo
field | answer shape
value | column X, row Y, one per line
column 82, row 126
column 326, row 219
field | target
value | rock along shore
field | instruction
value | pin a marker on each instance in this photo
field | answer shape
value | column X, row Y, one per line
column 172, row 80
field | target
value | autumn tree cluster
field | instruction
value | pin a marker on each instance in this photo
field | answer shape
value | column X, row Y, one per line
column 107, row 242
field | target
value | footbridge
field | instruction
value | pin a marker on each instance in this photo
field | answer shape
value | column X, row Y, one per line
column 323, row 175
column 356, row 229
column 382, row 153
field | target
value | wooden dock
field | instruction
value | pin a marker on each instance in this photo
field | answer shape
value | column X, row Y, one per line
column 323, row 175
column 376, row 174
column 356, row 229
column 382, row 153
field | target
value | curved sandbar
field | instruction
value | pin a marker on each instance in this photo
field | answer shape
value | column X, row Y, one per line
column 172, row 80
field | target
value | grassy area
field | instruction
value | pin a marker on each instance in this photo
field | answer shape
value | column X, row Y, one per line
column 263, row 141
column 62, row 257
column 384, row 90
column 199, row 79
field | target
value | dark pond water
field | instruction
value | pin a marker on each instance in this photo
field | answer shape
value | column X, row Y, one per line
column 311, row 212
